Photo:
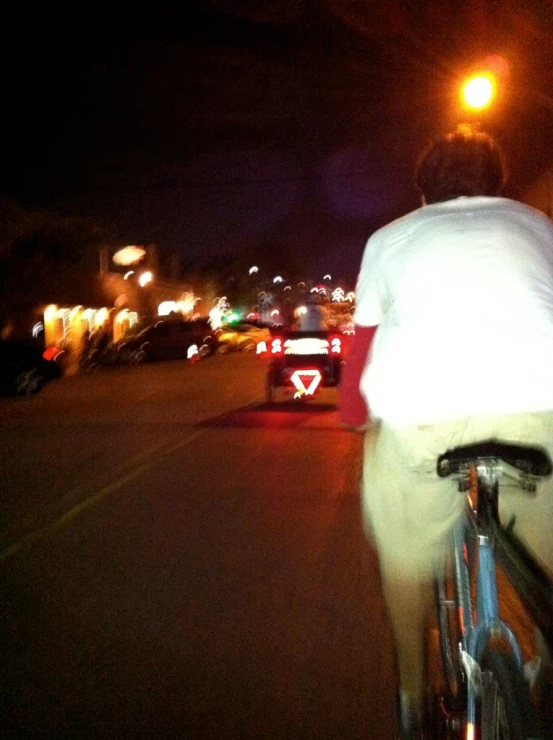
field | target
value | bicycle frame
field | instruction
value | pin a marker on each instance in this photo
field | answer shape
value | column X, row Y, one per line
column 477, row 538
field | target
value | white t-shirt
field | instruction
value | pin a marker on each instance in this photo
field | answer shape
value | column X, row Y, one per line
column 462, row 293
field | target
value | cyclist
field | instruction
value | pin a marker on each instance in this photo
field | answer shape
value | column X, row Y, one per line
column 453, row 345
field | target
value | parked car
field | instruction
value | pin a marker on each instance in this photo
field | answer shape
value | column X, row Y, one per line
column 241, row 337
column 168, row 339
column 23, row 369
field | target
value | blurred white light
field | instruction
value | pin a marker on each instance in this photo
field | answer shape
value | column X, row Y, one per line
column 37, row 328
column 278, row 279
column 165, row 308
column 145, row 278
column 50, row 312
column 254, row 269
column 101, row 316
column 122, row 315
column 127, row 275
column 129, row 255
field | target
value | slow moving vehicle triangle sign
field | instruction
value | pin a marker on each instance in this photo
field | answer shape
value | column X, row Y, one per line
column 306, row 382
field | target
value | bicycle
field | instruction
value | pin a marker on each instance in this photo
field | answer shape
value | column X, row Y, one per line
column 487, row 696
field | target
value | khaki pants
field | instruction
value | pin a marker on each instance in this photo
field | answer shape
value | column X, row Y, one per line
column 409, row 513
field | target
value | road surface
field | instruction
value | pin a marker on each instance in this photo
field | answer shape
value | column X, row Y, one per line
column 178, row 560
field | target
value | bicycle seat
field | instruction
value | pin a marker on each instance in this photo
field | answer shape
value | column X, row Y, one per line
column 527, row 459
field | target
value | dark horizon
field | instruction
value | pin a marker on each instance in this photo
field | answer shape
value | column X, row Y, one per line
column 291, row 127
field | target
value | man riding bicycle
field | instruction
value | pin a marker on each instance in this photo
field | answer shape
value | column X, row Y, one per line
column 453, row 345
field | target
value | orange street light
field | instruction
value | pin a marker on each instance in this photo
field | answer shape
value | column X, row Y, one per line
column 478, row 91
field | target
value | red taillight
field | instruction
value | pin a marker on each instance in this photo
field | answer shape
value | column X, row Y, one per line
column 277, row 347
column 335, row 344
column 50, row 353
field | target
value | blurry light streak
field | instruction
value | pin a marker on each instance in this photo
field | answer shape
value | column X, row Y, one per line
column 37, row 328
column 65, row 315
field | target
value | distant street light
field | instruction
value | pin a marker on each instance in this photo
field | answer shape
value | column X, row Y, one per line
column 145, row 278
column 478, row 91
column 129, row 255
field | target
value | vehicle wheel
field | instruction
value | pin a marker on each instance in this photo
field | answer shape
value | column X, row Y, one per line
column 506, row 705
column 29, row 383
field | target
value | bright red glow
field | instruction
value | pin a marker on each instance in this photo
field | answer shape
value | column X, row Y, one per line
column 306, row 381
column 50, row 353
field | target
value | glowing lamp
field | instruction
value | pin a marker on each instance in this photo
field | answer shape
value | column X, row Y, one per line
column 129, row 255
column 478, row 91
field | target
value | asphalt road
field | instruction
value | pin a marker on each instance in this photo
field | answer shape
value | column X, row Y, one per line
column 178, row 560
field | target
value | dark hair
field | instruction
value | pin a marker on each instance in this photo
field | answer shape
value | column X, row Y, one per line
column 465, row 162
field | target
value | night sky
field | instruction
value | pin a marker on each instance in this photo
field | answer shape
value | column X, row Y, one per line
column 290, row 125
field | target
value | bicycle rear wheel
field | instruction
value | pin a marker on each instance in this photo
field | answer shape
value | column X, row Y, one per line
column 506, row 710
